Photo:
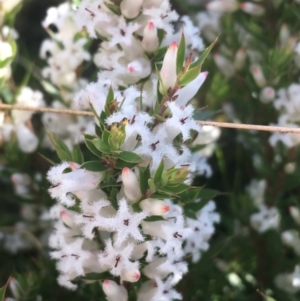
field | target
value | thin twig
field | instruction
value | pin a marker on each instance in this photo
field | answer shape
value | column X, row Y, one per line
column 239, row 126
column 45, row 110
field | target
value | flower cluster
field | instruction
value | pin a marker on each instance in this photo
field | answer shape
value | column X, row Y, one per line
column 125, row 213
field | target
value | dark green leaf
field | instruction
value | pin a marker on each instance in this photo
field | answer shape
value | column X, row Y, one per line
column 174, row 189
column 130, row 157
column 190, row 213
column 154, row 218
column 110, row 96
column 144, row 176
column 120, row 164
column 93, row 148
column 105, row 135
column 180, row 54
column 93, row 166
column 77, row 155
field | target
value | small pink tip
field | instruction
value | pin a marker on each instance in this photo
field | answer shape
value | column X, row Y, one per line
column 106, row 282
column 137, row 276
column 151, row 25
column 291, row 208
column 270, row 91
column 205, row 73
column 166, row 208
column 243, row 5
column 63, row 213
column 73, row 165
column 125, row 170
column 216, row 55
column 173, row 45
column 131, row 68
column 255, row 70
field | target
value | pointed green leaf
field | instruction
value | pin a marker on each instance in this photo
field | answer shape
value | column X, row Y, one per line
column 120, row 164
column 130, row 157
column 204, row 55
column 158, row 173
column 110, row 96
column 77, row 155
column 93, row 166
column 151, row 185
column 189, row 76
column 3, row 290
column 144, row 176
column 102, row 146
column 154, row 218
column 180, row 54
column 61, row 148
column 190, row 213
column 92, row 147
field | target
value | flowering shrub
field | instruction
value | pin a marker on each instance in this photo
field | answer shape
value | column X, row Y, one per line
column 115, row 191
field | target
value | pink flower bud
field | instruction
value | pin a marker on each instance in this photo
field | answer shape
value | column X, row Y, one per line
column 154, row 207
column 295, row 213
column 139, row 68
column 67, row 218
column 74, row 165
column 168, row 71
column 131, row 185
column 225, row 66
column 240, row 59
column 185, row 94
column 113, row 291
column 267, row 94
column 150, row 40
column 258, row 76
column 223, row 5
column 131, row 275
column 130, row 9
column 252, row 9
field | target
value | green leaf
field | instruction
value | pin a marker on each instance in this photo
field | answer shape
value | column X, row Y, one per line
column 189, row 76
column 130, row 157
column 105, row 135
column 154, row 218
column 152, row 185
column 102, row 146
column 160, row 54
column 77, row 155
column 62, row 150
column 120, row 164
column 159, row 172
column 180, row 54
column 206, row 193
column 110, row 96
column 3, row 290
column 174, row 189
column 93, row 166
column 191, row 194
column 190, row 213
column 93, row 148
column 144, row 176
column 204, row 55
column 160, row 34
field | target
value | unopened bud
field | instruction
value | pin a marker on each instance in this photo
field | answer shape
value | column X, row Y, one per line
column 152, row 3
column 178, row 176
column 131, row 275
column 240, row 59
column 267, row 94
column 14, row 287
column 252, row 9
column 130, row 9
column 168, row 71
column 139, row 68
column 131, row 185
column 258, row 76
column 113, row 291
column 223, row 5
column 154, row 207
column 117, row 136
column 295, row 213
column 150, row 40
column 288, row 238
column 225, row 66
column 67, row 219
